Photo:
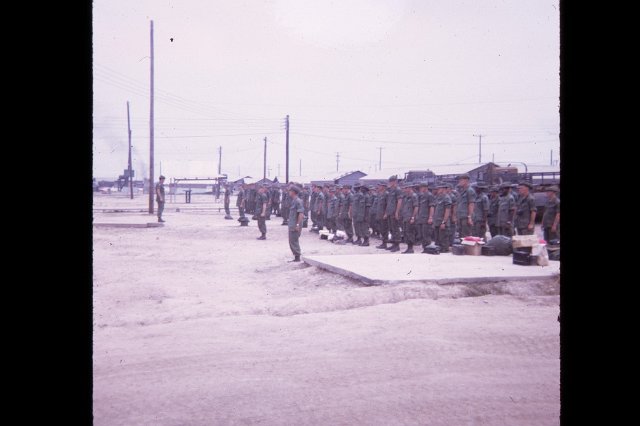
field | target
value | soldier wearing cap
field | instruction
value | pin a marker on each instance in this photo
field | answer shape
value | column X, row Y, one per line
column 382, row 223
column 392, row 212
column 251, row 200
column 424, row 218
column 346, row 214
column 368, row 206
column 525, row 210
column 320, row 208
column 240, row 201
column 506, row 210
column 312, row 207
column 304, row 196
column 492, row 216
column 227, row 201
column 358, row 211
column 480, row 212
column 409, row 212
column 284, row 204
column 465, row 206
column 551, row 216
column 296, row 216
column 160, row 197
column 262, row 204
column 332, row 210
column 441, row 218
column 453, row 194
column 275, row 199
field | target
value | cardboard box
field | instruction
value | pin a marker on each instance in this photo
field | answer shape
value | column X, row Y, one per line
column 524, row 241
column 475, row 250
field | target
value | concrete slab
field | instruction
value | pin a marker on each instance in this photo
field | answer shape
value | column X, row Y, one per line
column 387, row 268
column 128, row 225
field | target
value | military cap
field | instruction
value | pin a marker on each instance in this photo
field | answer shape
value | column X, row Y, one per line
column 161, row 177
column 463, row 176
column 393, row 178
column 505, row 185
column 527, row 184
column 295, row 189
column 481, row 186
column 441, row 185
column 494, row 188
column 553, row 188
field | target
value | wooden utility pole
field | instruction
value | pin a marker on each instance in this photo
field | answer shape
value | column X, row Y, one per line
column 337, row 160
column 479, row 149
column 151, row 178
column 264, row 167
column 380, row 160
column 129, row 132
column 287, row 148
column 219, row 160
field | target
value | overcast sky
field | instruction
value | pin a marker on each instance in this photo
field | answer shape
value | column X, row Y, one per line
column 417, row 78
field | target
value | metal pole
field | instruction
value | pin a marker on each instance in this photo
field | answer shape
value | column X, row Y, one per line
column 151, row 178
column 287, row 165
column 129, row 132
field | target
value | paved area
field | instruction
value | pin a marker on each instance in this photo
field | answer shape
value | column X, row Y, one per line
column 387, row 268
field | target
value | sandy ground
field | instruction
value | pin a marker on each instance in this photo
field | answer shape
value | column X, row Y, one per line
column 198, row 323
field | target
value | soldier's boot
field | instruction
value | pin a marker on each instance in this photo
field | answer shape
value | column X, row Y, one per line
column 365, row 243
column 295, row 259
column 349, row 240
column 395, row 247
column 262, row 237
column 358, row 241
column 382, row 246
column 409, row 249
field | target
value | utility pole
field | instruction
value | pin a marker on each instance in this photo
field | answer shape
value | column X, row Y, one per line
column 493, row 157
column 301, row 167
column 129, row 132
column 287, row 164
column 551, row 160
column 337, row 160
column 380, row 161
column 264, row 174
column 151, row 179
column 479, row 149
column 219, row 160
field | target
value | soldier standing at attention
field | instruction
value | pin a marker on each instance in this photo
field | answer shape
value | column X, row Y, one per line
column 368, row 203
column 357, row 211
column 312, row 207
column 332, row 210
column 506, row 209
column 409, row 213
column 240, row 201
column 466, row 204
column 392, row 212
column 551, row 216
column 286, row 201
column 441, row 216
column 525, row 210
column 304, row 196
column 275, row 200
column 262, row 205
column 424, row 218
column 227, row 201
column 381, row 220
column 346, row 214
column 296, row 216
column 480, row 212
column 321, row 207
column 452, row 225
column 492, row 217
column 160, row 197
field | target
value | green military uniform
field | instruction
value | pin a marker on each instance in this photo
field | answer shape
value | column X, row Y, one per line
column 312, row 207
column 525, row 205
column 425, row 211
column 240, row 202
column 383, row 223
column 295, row 210
column 409, row 211
column 551, row 210
column 332, row 212
column 160, row 198
column 480, row 214
column 357, row 212
column 394, row 196
column 506, row 208
column 284, row 209
column 492, row 216
column 453, row 220
column 347, row 220
column 465, row 198
column 262, row 202
column 441, row 233
column 227, row 202
column 320, row 210
column 339, row 206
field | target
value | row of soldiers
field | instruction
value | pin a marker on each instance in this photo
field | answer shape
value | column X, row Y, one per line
column 413, row 213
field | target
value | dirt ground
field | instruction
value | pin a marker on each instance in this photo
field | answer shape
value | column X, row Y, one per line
column 199, row 323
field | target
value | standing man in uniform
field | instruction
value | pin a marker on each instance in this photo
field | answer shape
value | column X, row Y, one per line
column 332, row 210
column 466, row 204
column 551, row 216
column 227, row 201
column 441, row 218
column 262, row 204
column 312, row 208
column 320, row 207
column 424, row 219
column 492, row 217
column 480, row 212
column 453, row 222
column 409, row 212
column 392, row 212
column 286, row 202
column 357, row 211
column 526, row 210
column 160, row 197
column 346, row 213
column 296, row 216
column 240, row 201
column 506, row 210
column 381, row 220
